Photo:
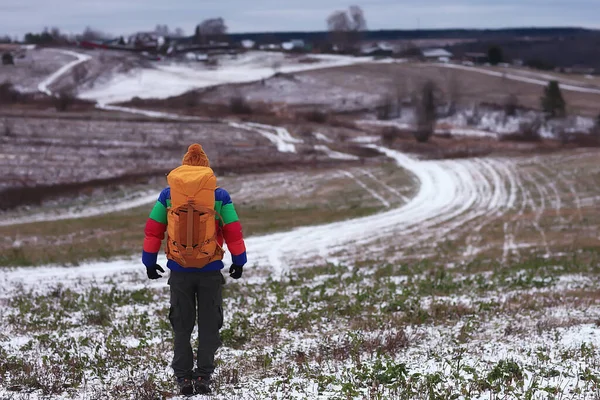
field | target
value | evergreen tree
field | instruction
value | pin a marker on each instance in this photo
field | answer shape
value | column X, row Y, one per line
column 553, row 103
column 495, row 55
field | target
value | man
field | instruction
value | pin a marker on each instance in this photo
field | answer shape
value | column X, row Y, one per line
column 198, row 216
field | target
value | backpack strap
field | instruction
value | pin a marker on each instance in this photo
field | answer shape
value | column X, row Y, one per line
column 190, row 227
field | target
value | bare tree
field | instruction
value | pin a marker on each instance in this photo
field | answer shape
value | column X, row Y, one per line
column 79, row 73
column 453, row 92
column 345, row 28
column 92, row 34
column 162, row 30
column 339, row 21
column 210, row 30
column 426, row 112
column 359, row 22
column 55, row 33
column 179, row 32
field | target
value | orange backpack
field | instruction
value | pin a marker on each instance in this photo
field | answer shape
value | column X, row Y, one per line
column 192, row 236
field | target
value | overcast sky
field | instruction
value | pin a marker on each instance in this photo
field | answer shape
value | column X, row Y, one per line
column 126, row 16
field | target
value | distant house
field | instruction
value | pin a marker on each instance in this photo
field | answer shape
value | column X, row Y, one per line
column 192, row 56
column 381, row 49
column 295, row 44
column 248, row 44
column 270, row 47
column 437, row 54
column 146, row 40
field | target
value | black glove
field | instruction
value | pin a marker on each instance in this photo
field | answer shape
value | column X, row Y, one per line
column 152, row 271
column 235, row 271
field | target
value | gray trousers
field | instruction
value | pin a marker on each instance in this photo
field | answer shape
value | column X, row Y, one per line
column 196, row 293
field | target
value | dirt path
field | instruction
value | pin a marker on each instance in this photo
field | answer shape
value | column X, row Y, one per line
column 540, row 80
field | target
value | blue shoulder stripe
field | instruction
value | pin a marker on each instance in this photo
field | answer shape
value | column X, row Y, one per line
column 164, row 196
column 222, row 195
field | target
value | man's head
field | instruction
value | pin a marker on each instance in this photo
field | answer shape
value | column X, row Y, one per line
column 196, row 156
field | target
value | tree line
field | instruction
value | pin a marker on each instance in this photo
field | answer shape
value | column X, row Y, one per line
column 345, row 27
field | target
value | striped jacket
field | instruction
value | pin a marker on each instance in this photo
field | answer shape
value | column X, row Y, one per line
column 229, row 231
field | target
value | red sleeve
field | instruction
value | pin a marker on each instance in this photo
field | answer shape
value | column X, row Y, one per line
column 154, row 235
column 232, row 233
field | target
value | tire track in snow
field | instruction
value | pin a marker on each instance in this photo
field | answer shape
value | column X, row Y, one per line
column 576, row 198
column 449, row 196
column 538, row 210
column 368, row 189
column 548, row 186
column 46, row 83
column 386, row 186
column 501, row 201
column 509, row 226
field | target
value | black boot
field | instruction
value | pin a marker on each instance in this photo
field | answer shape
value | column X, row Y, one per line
column 202, row 385
column 186, row 386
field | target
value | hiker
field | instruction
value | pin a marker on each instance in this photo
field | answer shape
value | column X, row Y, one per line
column 197, row 216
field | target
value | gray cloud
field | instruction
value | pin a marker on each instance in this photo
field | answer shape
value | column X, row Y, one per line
column 118, row 16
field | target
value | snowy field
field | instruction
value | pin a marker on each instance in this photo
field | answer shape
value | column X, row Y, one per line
column 43, row 151
column 474, row 278
column 483, row 284
column 362, row 86
column 172, row 79
column 37, row 66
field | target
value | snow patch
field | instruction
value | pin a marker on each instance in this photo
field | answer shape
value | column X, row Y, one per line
column 336, row 154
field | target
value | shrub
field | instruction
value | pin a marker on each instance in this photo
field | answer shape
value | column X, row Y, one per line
column 8, row 94
column 8, row 59
column 511, row 105
column 389, row 134
column 80, row 72
column 7, row 128
column 474, row 117
column 212, row 62
column 387, row 109
column 305, row 132
column 239, row 105
column 529, row 131
column 317, row 116
column 64, row 100
column 190, row 99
